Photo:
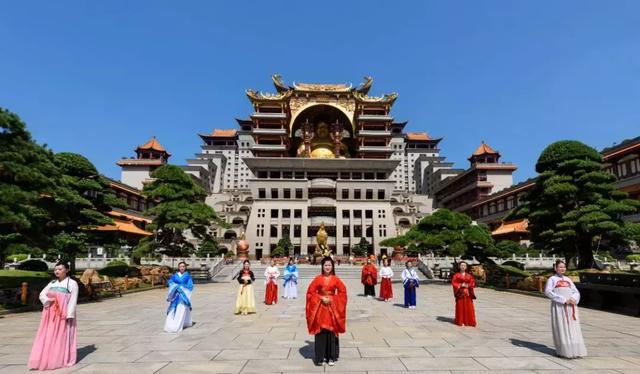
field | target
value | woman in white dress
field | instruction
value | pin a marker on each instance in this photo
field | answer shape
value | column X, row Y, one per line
column 290, row 280
column 565, row 322
column 179, row 298
column 271, row 274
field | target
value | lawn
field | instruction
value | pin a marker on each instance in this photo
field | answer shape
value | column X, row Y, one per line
column 14, row 278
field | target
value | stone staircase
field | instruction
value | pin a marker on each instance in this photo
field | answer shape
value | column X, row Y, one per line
column 304, row 271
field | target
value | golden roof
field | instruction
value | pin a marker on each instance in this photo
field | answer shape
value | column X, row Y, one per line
column 340, row 87
column 518, row 227
column 418, row 136
column 120, row 215
column 224, row 133
column 484, row 149
column 124, row 226
column 153, row 144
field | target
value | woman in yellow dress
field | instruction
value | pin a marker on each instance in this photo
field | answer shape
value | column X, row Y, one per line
column 246, row 299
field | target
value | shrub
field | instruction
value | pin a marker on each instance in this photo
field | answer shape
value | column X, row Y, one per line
column 120, row 271
column 633, row 258
column 514, row 264
column 33, row 265
column 18, row 257
column 510, row 270
column 117, row 263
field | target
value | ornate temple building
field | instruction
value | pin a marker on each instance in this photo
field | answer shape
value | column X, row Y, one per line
column 314, row 154
column 323, row 155
column 333, row 156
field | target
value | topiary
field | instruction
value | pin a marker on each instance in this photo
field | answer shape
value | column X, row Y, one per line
column 33, row 265
column 565, row 150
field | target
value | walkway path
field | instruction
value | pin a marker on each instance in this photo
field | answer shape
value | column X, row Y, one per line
column 124, row 335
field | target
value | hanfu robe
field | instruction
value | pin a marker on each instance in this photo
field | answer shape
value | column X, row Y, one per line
column 326, row 321
column 465, row 312
column 386, row 275
column 179, row 298
column 55, row 345
column 410, row 282
column 271, row 275
column 369, row 279
column 565, row 321
column 290, row 282
column 246, row 299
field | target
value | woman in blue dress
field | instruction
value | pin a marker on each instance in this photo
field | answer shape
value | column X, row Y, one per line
column 179, row 298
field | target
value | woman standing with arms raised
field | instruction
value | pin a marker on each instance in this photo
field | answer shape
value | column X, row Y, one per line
column 326, row 312
column 55, row 345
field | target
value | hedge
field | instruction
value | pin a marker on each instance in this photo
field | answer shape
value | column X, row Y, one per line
column 33, row 265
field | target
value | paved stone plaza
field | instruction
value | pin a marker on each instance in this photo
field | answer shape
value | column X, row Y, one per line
column 124, row 335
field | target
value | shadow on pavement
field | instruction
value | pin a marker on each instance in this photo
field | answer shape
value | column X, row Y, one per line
column 446, row 319
column 85, row 351
column 533, row 346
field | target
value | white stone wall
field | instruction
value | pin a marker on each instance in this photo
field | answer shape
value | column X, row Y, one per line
column 134, row 175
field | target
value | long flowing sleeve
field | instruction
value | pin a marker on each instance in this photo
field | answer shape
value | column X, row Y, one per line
column 549, row 290
column 43, row 294
column 73, row 299
column 313, row 303
column 575, row 294
column 339, row 305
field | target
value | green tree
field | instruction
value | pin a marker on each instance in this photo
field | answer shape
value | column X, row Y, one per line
column 574, row 208
column 209, row 246
column 27, row 184
column 81, row 201
column 508, row 248
column 362, row 248
column 285, row 246
column 446, row 232
column 180, row 211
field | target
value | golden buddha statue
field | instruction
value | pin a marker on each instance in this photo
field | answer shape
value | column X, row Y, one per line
column 321, row 144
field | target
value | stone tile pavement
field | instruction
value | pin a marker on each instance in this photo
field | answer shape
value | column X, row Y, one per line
column 124, row 335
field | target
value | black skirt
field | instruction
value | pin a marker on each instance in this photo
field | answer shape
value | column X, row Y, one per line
column 327, row 346
column 369, row 290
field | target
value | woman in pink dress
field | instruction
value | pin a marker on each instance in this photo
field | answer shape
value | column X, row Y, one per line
column 55, row 345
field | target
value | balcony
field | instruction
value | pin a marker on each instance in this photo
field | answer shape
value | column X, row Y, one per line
column 374, row 117
column 268, row 131
column 328, row 221
column 269, row 147
column 269, row 115
column 374, row 133
column 322, row 202
column 375, row 148
column 323, row 183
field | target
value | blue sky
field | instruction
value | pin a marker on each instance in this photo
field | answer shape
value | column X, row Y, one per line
column 99, row 78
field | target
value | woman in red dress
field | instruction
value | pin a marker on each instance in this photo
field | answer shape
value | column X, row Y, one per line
column 386, row 274
column 369, row 278
column 464, row 292
column 326, row 312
